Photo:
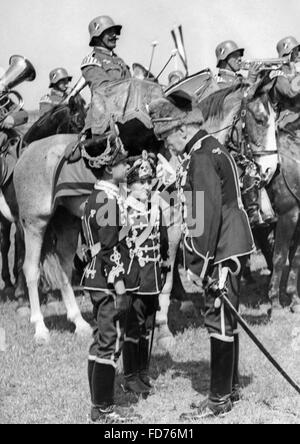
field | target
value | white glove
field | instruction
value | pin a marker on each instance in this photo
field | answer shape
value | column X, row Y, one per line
column 164, row 171
column 8, row 122
column 195, row 280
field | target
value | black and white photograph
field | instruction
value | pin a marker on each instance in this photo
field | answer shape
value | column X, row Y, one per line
column 150, row 214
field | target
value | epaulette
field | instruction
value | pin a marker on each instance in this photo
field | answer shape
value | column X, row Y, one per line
column 46, row 99
column 277, row 73
column 90, row 60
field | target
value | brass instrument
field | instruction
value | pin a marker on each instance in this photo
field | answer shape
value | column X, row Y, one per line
column 80, row 85
column 266, row 64
column 19, row 70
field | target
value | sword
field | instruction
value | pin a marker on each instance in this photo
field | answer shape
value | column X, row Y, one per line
column 221, row 293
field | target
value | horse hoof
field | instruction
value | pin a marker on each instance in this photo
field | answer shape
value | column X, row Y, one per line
column 42, row 338
column 84, row 330
column 52, row 308
column 23, row 312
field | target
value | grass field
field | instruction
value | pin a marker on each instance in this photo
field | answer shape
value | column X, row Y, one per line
column 49, row 384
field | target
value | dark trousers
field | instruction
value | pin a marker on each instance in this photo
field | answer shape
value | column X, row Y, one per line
column 108, row 334
column 140, row 317
column 105, row 349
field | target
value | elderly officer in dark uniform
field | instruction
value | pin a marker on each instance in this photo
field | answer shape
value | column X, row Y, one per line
column 148, row 241
column 102, row 65
column 59, row 82
column 104, row 277
column 207, row 167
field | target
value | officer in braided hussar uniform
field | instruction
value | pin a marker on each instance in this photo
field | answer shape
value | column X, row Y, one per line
column 148, row 242
column 102, row 65
column 104, row 276
column 222, row 238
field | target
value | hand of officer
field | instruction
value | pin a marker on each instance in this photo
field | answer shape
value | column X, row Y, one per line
column 8, row 123
column 195, row 280
column 254, row 71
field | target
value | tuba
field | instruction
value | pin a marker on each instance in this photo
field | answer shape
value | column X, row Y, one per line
column 19, row 70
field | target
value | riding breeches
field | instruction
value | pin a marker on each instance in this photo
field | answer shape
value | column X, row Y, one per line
column 219, row 321
column 108, row 334
column 140, row 317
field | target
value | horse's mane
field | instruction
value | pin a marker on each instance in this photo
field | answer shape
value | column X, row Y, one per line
column 213, row 105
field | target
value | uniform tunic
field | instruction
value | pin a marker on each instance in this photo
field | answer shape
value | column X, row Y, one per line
column 226, row 236
column 148, row 243
column 227, row 78
column 286, row 96
column 54, row 98
column 99, row 68
column 104, row 216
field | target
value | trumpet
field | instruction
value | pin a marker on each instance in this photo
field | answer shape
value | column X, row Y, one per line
column 266, row 64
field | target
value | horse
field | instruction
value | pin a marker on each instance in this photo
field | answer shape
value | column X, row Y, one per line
column 67, row 118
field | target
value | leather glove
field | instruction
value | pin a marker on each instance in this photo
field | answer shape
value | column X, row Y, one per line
column 122, row 305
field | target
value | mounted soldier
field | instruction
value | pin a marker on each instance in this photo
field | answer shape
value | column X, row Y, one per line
column 102, row 65
column 225, row 240
column 230, row 62
column 59, row 90
column 286, row 91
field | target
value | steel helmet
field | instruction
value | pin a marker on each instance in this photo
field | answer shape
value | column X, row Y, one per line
column 287, row 45
column 101, row 24
column 58, row 74
column 225, row 49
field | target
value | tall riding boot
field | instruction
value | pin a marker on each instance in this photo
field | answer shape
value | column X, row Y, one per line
column 236, row 388
column 104, row 410
column 102, row 389
column 144, row 361
column 251, row 200
column 90, row 369
column 133, row 383
column 218, row 402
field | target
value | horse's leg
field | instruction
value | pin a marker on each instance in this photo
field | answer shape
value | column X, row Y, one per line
column 292, row 284
column 21, row 295
column 33, row 245
column 285, row 231
column 66, row 246
column 5, row 227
